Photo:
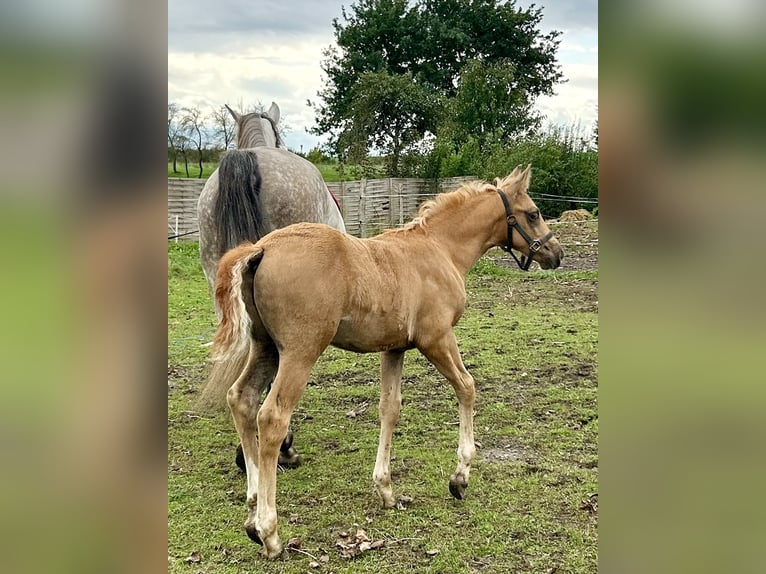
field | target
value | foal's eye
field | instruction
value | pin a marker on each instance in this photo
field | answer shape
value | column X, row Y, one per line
column 533, row 216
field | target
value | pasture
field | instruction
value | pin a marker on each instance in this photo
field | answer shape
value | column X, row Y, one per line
column 530, row 341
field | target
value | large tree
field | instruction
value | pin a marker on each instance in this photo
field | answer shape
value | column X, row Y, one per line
column 440, row 47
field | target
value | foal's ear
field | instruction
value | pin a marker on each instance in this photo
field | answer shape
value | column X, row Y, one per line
column 273, row 112
column 234, row 114
column 527, row 174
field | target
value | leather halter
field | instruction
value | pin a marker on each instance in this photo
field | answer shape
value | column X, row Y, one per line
column 534, row 244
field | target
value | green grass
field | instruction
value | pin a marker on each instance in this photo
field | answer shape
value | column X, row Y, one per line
column 530, row 342
column 207, row 169
column 329, row 171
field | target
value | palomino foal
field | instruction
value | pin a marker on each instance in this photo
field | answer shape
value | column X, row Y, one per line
column 286, row 298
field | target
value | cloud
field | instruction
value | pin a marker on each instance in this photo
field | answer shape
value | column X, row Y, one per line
column 270, row 50
column 566, row 14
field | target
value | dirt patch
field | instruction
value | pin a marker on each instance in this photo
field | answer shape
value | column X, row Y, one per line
column 502, row 454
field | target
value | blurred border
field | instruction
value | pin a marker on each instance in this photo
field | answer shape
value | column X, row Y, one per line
column 682, row 400
column 83, row 244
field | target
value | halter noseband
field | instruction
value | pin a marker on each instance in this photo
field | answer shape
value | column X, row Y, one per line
column 534, row 244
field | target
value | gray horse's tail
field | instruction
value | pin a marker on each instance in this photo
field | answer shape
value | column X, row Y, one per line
column 237, row 208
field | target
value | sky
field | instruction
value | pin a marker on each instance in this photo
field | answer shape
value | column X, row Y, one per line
column 268, row 50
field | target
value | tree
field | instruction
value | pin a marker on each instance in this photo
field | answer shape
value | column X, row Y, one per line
column 223, row 126
column 390, row 113
column 174, row 132
column 429, row 43
column 486, row 106
column 192, row 122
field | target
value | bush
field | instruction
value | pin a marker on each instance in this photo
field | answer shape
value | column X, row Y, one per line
column 563, row 164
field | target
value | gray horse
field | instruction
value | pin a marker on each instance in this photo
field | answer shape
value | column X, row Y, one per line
column 257, row 188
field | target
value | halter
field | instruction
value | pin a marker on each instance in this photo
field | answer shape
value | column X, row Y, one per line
column 534, row 244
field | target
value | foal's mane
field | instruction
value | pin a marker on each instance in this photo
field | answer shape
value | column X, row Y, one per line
column 512, row 185
column 448, row 202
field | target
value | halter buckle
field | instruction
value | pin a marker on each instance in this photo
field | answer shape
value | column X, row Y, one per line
column 535, row 245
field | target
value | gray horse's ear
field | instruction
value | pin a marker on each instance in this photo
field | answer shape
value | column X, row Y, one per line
column 274, row 112
column 234, row 114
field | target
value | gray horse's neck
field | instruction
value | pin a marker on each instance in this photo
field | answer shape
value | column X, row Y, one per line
column 252, row 133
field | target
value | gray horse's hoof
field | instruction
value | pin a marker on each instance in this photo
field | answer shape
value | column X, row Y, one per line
column 457, row 487
column 288, row 456
column 290, row 459
column 252, row 533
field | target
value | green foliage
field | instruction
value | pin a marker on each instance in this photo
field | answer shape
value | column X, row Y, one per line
column 391, row 112
column 563, row 163
column 403, row 69
column 317, row 156
column 488, row 105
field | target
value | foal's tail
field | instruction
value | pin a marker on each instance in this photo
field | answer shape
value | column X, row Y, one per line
column 234, row 299
column 237, row 207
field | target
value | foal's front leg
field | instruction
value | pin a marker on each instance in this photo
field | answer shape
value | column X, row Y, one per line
column 390, row 407
column 445, row 356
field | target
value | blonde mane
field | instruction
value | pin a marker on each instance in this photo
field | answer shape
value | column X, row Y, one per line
column 512, row 184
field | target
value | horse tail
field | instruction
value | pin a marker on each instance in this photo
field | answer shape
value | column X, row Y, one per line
column 231, row 345
column 237, row 207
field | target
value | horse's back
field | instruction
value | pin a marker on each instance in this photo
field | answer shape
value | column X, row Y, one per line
column 366, row 295
column 293, row 191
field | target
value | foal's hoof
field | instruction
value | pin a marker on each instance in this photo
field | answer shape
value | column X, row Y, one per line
column 457, row 487
column 252, row 533
column 239, row 458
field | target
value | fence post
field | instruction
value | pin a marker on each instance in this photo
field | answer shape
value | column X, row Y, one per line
column 176, row 232
column 362, row 209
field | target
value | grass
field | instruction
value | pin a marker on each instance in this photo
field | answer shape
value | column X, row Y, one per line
column 207, row 169
column 329, row 171
column 529, row 340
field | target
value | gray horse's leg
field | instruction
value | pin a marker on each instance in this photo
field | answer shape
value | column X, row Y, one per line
column 288, row 456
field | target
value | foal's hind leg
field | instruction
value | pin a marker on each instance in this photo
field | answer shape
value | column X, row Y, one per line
column 273, row 421
column 243, row 398
column 445, row 356
column 390, row 407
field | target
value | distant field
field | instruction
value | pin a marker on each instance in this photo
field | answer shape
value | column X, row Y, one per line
column 329, row 171
column 207, row 169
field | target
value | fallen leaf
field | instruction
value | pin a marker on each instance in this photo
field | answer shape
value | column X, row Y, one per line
column 361, row 535
column 378, row 544
column 193, row 558
column 314, row 564
column 364, row 546
column 432, row 552
column 294, row 543
column 324, row 558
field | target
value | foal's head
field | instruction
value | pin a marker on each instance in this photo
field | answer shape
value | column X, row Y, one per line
column 529, row 233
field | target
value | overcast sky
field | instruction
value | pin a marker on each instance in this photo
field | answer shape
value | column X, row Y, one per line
column 268, row 50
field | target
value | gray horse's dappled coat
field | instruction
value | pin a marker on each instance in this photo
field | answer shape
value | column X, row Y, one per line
column 257, row 190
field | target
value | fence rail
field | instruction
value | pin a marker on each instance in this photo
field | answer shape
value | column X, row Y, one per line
column 368, row 206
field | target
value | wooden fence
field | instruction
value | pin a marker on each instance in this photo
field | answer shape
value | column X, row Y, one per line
column 368, row 206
